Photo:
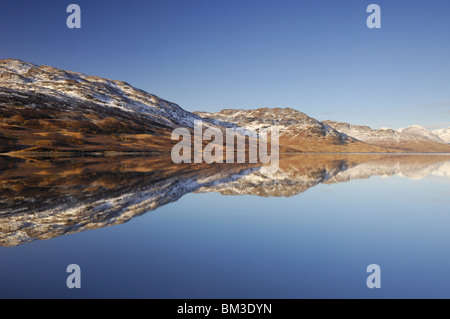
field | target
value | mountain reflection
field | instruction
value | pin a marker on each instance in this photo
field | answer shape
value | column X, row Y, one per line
column 42, row 199
column 299, row 172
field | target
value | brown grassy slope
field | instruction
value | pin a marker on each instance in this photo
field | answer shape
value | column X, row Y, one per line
column 51, row 128
column 318, row 145
column 418, row 147
column 23, row 139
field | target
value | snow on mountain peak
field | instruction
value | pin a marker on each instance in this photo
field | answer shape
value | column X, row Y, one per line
column 444, row 134
column 17, row 66
column 413, row 138
column 422, row 132
column 72, row 86
column 289, row 121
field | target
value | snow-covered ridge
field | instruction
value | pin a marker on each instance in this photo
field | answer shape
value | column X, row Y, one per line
column 420, row 132
column 19, row 76
column 444, row 134
column 414, row 133
column 289, row 122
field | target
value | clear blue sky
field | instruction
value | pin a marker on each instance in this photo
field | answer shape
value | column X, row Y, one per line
column 315, row 56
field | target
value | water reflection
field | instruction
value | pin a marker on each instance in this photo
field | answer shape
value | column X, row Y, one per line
column 46, row 198
column 300, row 172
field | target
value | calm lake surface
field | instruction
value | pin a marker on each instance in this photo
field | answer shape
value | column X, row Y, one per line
column 143, row 228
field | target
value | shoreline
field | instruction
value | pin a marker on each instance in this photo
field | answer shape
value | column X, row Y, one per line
column 155, row 153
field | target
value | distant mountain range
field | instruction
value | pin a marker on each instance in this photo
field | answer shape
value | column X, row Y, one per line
column 44, row 109
column 414, row 138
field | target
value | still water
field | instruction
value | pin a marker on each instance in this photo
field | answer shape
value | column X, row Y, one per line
column 143, row 228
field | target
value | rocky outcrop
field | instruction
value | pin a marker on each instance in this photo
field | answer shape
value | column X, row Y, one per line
column 298, row 131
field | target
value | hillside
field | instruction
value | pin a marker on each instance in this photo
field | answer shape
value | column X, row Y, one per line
column 49, row 110
column 298, row 132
